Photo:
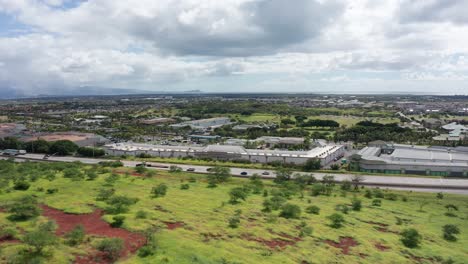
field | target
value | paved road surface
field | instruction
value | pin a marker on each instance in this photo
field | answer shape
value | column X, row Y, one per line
column 435, row 184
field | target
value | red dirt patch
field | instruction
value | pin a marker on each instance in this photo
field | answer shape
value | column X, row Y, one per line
column 345, row 244
column 94, row 225
column 174, row 225
column 381, row 247
column 136, row 174
column 8, row 239
column 274, row 243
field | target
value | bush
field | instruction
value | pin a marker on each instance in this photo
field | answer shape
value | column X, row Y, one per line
column 313, row 210
column 184, row 186
column 342, row 208
column 24, row 209
column 21, row 185
column 290, row 211
column 234, row 221
column 236, row 194
column 305, row 230
column 111, row 247
column 104, row 194
column 175, row 169
column 75, row 236
column 449, row 232
column 410, row 238
column 159, row 191
column 336, row 220
column 356, row 205
column 141, row 215
column 42, row 237
column 368, row 194
column 119, row 204
column 391, row 197
column 145, row 251
column 91, row 152
column 376, row 202
column 346, row 185
column 63, row 147
column 378, row 193
column 117, row 221
column 51, row 191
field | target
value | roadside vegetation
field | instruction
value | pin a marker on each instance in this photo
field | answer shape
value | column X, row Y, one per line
column 68, row 214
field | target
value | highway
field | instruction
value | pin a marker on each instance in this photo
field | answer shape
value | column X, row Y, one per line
column 423, row 184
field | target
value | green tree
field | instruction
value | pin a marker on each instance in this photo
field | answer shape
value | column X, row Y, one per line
column 117, row 221
column 119, row 204
column 218, row 175
column 312, row 165
column 159, row 191
column 410, row 237
column 111, row 247
column 75, row 236
column 40, row 238
column 63, row 147
column 290, row 211
column 236, row 194
column 449, row 232
column 336, row 220
column 356, row 204
column 24, row 208
column 282, row 175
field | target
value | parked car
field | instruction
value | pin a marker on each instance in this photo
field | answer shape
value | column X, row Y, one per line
column 209, row 169
column 191, row 169
column 265, row 173
column 243, row 173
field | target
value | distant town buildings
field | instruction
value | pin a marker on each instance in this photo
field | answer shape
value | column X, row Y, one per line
column 11, row 129
column 158, row 121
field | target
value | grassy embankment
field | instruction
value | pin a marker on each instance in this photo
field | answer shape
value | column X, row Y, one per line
column 206, row 238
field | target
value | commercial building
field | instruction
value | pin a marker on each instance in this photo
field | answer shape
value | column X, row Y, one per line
column 204, row 124
column 407, row 159
column 326, row 154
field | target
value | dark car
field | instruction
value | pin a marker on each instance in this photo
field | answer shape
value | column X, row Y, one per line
column 265, row 173
column 191, row 169
column 243, row 173
column 209, row 169
column 140, row 165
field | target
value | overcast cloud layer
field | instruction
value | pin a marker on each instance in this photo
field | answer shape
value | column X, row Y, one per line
column 354, row 46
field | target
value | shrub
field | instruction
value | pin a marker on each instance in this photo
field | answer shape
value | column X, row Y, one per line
column 305, row 230
column 368, row 194
column 378, row 193
column 21, row 185
column 236, row 194
column 111, row 247
column 24, row 208
column 175, row 169
column 145, row 251
column 376, row 202
column 410, row 238
column 356, row 204
column 119, row 204
column 185, row 186
column 342, row 208
column 159, row 191
column 117, row 221
column 51, row 191
column 449, row 232
column 234, row 221
column 346, row 185
column 75, row 236
column 313, row 210
column 290, row 211
column 42, row 237
column 104, row 194
column 192, row 179
column 391, row 197
column 141, row 214
column 336, row 220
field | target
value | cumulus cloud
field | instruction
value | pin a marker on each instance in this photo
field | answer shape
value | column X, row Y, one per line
column 179, row 43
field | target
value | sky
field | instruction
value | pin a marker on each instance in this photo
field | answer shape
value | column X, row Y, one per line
column 314, row 46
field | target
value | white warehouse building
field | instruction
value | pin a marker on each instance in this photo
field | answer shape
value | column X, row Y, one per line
column 325, row 154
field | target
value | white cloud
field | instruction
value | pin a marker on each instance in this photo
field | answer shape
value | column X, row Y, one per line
column 147, row 44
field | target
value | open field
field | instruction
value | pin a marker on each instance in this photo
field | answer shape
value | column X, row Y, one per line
column 191, row 225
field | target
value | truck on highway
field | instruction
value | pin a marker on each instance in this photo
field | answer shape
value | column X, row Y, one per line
column 13, row 152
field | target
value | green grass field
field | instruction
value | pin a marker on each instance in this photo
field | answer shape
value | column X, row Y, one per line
column 206, row 238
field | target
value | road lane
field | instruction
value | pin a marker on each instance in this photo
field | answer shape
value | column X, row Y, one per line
column 396, row 182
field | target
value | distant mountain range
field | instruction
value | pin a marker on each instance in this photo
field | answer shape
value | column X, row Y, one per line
column 11, row 93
